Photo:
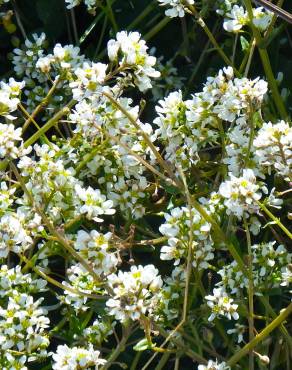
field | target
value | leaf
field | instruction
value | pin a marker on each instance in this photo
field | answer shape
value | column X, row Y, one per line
column 244, row 43
column 142, row 345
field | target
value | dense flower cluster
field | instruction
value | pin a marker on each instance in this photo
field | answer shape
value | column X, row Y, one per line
column 273, row 147
column 130, row 52
column 268, row 269
column 77, row 358
column 176, row 230
column 113, row 227
column 241, row 193
column 133, row 292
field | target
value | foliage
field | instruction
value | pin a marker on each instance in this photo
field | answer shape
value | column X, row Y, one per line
column 145, row 185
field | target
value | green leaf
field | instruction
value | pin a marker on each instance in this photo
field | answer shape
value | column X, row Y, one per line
column 244, row 43
column 142, row 345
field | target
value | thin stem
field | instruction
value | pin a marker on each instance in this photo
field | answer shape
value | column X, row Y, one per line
column 261, row 336
column 189, row 352
column 202, row 23
column 61, row 239
column 52, row 122
column 266, row 63
column 120, row 348
column 147, row 139
column 275, row 219
column 188, row 271
column 31, row 119
column 250, row 55
column 163, row 361
column 250, row 294
column 56, row 283
column 73, row 19
column 18, row 20
column 42, row 104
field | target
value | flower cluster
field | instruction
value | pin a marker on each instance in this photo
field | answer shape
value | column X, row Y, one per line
column 268, row 269
column 241, row 193
column 94, row 248
column 176, row 228
column 236, row 18
column 186, row 127
column 129, row 216
column 23, row 326
column 214, row 365
column 130, row 52
column 133, row 293
column 76, row 358
column 221, row 305
column 10, row 97
column 273, row 147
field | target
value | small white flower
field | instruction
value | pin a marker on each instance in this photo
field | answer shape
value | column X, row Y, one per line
column 236, row 19
column 221, row 305
column 76, row 358
column 133, row 292
column 214, row 365
column 241, row 193
column 131, row 52
column 177, row 7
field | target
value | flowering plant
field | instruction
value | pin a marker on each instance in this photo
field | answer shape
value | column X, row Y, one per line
column 144, row 220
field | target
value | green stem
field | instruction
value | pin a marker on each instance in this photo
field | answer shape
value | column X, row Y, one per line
column 159, row 26
column 250, row 294
column 275, row 219
column 261, row 336
column 41, row 106
column 266, row 63
column 271, row 312
column 120, row 348
column 52, row 122
column 61, row 239
column 147, row 139
column 206, row 29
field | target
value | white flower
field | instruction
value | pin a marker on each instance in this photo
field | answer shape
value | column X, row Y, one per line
column 241, row 193
column 90, row 4
column 132, row 54
column 93, row 203
column 214, row 365
column 13, row 236
column 236, row 19
column 10, row 97
column 9, row 137
column 177, row 7
column 133, row 292
column 94, row 248
column 176, row 228
column 262, row 18
column 287, row 276
column 239, row 330
column 76, row 358
column 25, row 59
column 273, row 145
column 268, row 265
column 23, row 324
column 81, row 281
column 6, row 196
column 221, row 305
column 89, row 79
